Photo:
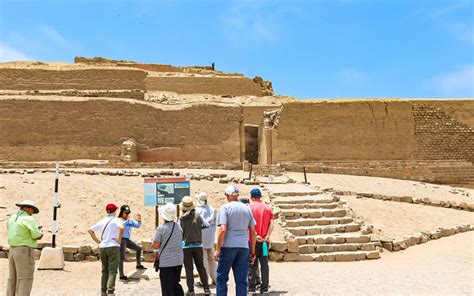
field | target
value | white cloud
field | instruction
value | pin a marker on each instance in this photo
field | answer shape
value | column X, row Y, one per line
column 455, row 84
column 10, row 54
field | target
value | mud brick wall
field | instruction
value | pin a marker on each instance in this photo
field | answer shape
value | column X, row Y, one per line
column 95, row 129
column 98, row 79
column 254, row 114
column 205, row 85
column 344, row 130
column 444, row 131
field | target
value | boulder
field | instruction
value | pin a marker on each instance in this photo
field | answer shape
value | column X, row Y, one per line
column 275, row 256
column 293, row 246
column 91, row 258
column 290, row 257
column 278, row 246
column 79, row 257
column 86, row 250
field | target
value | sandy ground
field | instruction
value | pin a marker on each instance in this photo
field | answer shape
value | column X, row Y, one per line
column 386, row 186
column 440, row 267
column 393, row 220
column 83, row 199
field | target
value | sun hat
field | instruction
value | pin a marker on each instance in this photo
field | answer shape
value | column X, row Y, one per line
column 168, row 212
column 29, row 204
column 111, row 208
column 231, row 190
column 256, row 193
column 201, row 198
column 187, row 203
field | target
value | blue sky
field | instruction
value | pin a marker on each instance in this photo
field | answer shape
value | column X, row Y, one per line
column 309, row 49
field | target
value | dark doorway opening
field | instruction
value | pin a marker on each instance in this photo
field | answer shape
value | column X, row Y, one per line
column 251, row 143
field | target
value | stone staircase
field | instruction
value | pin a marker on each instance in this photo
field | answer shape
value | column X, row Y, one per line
column 319, row 227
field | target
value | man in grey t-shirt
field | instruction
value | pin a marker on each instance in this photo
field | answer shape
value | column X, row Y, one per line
column 235, row 222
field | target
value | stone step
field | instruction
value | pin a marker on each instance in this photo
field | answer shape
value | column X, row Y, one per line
column 297, row 193
column 337, row 238
column 317, row 221
column 335, row 256
column 317, row 199
column 328, row 229
column 308, row 206
column 314, row 213
column 313, row 248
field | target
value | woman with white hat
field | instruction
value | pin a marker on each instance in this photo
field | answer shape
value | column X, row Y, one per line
column 167, row 245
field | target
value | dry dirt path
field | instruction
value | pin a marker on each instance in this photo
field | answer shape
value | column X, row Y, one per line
column 440, row 267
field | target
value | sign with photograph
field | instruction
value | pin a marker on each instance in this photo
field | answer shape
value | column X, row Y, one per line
column 160, row 191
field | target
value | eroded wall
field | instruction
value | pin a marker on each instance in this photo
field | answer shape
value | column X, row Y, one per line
column 90, row 79
column 33, row 130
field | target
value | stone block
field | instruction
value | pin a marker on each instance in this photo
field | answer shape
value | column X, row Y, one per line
column 307, row 223
column 290, row 257
column 339, row 213
column 275, row 256
column 86, row 250
column 293, row 246
column 302, row 240
column 329, row 240
column 358, row 239
column 329, row 230
column 316, row 214
column 352, row 228
column 79, row 257
column 306, row 249
column 329, row 257
column 339, row 240
column 70, row 249
column 373, row 255
column 279, row 246
column 3, row 254
column 298, row 231
column 360, row 256
column 147, row 246
column 92, row 258
column 148, row 257
column 346, row 247
column 313, row 231
column 367, row 247
column 346, row 257
column 325, row 248
column 407, row 199
column 69, row 257
column 305, row 258
column 388, row 246
column 51, row 258
column 318, row 241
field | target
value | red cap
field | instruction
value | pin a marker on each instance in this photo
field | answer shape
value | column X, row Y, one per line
column 111, row 208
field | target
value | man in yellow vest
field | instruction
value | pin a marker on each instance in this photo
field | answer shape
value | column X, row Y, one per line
column 23, row 232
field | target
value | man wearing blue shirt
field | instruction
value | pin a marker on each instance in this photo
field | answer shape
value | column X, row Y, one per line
column 128, row 223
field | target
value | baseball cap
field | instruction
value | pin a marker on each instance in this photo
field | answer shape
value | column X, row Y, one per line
column 111, row 208
column 231, row 190
column 256, row 193
column 125, row 209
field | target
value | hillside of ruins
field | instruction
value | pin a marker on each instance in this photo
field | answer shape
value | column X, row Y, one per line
column 381, row 175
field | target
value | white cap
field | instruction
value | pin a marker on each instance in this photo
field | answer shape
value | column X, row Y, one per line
column 231, row 190
column 201, row 198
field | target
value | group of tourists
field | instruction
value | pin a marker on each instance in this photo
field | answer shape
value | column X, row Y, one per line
column 243, row 235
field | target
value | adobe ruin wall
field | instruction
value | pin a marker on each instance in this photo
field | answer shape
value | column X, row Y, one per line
column 68, row 128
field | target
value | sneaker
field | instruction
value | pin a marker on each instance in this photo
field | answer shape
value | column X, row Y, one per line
column 123, row 278
column 141, row 267
column 251, row 291
column 264, row 292
column 207, row 292
column 199, row 285
column 189, row 293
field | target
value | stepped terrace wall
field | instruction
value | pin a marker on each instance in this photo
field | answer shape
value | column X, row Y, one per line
column 80, row 128
column 205, row 85
column 83, row 79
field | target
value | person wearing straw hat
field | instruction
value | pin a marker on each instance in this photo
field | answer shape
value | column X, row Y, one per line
column 23, row 233
column 192, row 225
column 208, row 214
column 167, row 248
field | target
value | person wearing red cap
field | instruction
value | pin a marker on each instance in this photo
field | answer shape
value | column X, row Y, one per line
column 111, row 229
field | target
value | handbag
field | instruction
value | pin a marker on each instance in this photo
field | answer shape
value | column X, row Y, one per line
column 156, row 264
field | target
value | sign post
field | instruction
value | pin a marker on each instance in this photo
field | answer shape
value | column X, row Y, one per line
column 54, row 228
column 52, row 257
column 160, row 191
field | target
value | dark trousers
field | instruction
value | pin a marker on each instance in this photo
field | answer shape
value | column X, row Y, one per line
column 264, row 269
column 127, row 243
column 110, row 261
column 169, row 280
column 238, row 260
column 196, row 255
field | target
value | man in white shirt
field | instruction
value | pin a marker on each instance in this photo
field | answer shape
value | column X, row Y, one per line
column 111, row 229
column 208, row 214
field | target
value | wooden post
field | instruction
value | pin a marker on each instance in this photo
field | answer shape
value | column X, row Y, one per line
column 157, row 217
column 305, row 179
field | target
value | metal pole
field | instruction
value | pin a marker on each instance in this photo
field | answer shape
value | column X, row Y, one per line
column 250, row 172
column 304, row 172
column 157, row 217
column 54, row 229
